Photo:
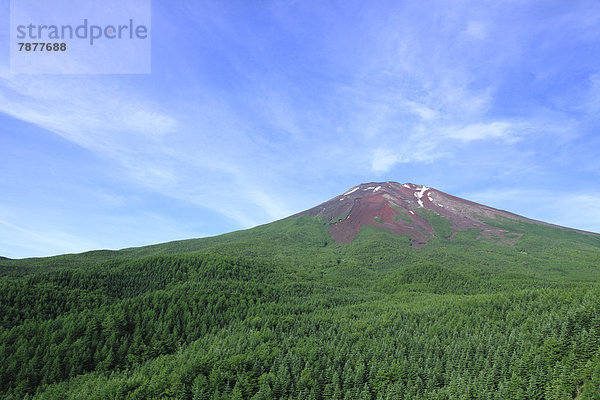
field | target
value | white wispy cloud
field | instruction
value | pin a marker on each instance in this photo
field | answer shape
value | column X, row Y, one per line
column 476, row 30
column 36, row 241
column 84, row 110
column 384, row 160
column 485, row 131
column 147, row 144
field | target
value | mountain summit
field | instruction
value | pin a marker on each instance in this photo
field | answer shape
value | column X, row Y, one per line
column 412, row 210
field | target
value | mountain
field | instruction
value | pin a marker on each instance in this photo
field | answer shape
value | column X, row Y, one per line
column 408, row 209
column 387, row 291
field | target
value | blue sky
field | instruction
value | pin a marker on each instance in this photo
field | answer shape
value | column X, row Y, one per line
column 255, row 110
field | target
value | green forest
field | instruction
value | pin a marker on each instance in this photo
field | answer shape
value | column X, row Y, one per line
column 283, row 312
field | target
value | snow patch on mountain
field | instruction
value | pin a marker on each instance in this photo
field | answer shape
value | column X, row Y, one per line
column 351, row 191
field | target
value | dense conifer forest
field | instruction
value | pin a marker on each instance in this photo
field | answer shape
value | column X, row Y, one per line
column 283, row 312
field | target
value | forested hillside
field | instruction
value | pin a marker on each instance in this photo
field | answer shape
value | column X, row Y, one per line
column 283, row 312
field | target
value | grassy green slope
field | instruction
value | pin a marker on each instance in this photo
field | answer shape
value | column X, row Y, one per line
column 264, row 241
column 280, row 311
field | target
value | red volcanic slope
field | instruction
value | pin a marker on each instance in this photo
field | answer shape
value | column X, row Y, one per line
column 397, row 208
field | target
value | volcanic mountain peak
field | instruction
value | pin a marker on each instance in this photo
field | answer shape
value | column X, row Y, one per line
column 408, row 209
